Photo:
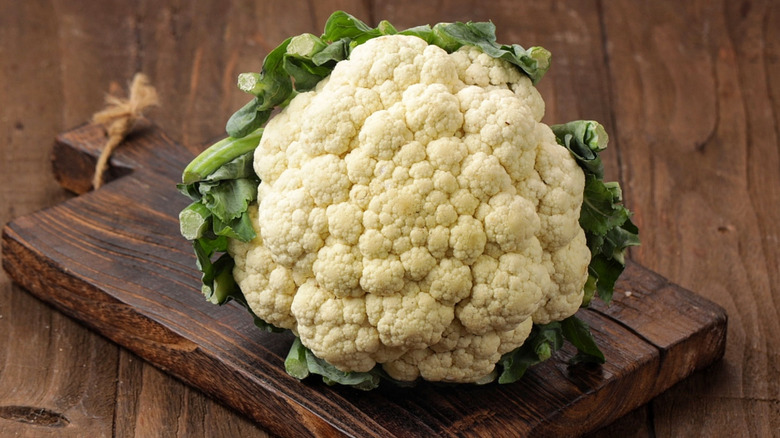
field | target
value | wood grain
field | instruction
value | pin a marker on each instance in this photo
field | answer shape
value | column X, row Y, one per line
column 703, row 153
column 689, row 93
column 56, row 377
column 127, row 274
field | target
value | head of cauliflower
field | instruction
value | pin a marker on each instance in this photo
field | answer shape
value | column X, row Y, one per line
column 414, row 212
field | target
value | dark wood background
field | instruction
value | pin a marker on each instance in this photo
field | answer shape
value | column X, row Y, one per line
column 689, row 91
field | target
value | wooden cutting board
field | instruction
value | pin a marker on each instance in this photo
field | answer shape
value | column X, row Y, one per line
column 114, row 260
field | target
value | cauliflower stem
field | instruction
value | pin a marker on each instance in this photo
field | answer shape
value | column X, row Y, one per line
column 367, row 265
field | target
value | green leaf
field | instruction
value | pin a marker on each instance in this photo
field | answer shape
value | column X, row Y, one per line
column 299, row 63
column 535, row 61
column 239, row 228
column 542, row 342
column 584, row 139
column 204, row 250
column 590, row 290
column 335, row 52
column 453, row 36
column 246, row 119
column 331, row 375
column 549, row 334
column 221, row 197
column 306, row 73
column 189, row 190
column 223, row 285
column 385, row 28
column 341, row 25
column 578, row 333
column 515, row 363
column 424, row 32
column 228, row 199
column 601, row 211
column 217, row 282
column 212, row 245
column 241, row 167
column 606, row 271
column 301, row 362
column 618, row 239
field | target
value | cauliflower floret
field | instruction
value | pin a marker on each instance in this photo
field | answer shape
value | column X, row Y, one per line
column 432, row 111
column 414, row 212
column 337, row 269
column 409, row 319
column 459, row 356
column 560, row 201
column 337, row 329
column 564, row 297
column 506, row 293
column 273, row 286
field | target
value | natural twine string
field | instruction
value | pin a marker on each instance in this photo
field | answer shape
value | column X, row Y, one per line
column 119, row 118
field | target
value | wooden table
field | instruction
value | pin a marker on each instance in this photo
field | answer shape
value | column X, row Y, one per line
column 688, row 91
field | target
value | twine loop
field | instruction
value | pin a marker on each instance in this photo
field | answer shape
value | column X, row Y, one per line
column 119, row 117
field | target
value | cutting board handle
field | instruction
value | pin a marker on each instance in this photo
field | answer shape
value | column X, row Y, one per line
column 75, row 155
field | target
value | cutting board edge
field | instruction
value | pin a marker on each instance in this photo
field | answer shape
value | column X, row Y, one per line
column 667, row 374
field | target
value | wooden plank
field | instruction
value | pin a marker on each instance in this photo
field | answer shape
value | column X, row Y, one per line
column 56, row 378
column 113, row 260
column 696, row 110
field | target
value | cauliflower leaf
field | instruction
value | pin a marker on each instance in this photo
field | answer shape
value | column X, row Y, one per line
column 606, row 221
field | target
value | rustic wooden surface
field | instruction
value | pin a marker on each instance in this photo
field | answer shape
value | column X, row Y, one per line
column 689, row 92
column 126, row 274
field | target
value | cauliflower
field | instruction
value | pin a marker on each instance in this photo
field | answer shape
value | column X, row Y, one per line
column 413, row 213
